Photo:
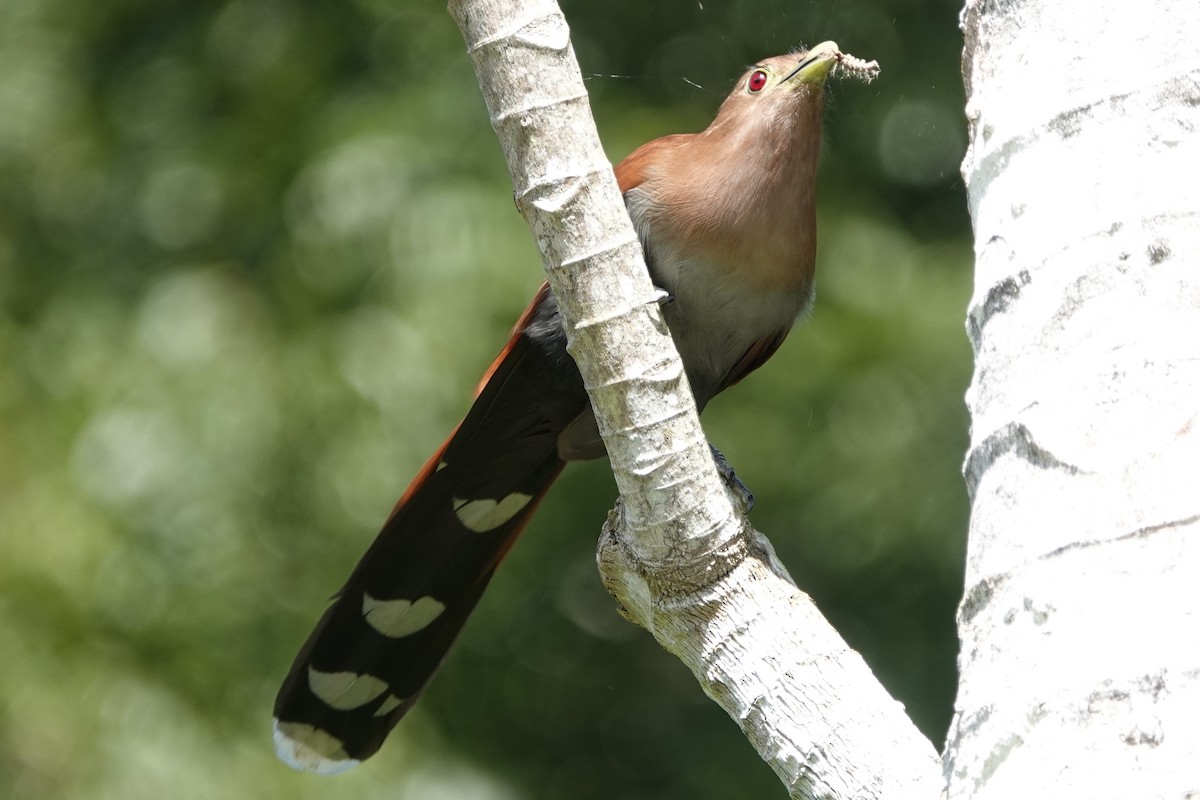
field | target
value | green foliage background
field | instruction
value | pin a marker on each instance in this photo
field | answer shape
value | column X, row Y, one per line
column 253, row 257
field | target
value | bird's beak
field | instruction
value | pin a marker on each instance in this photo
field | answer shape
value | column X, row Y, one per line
column 816, row 65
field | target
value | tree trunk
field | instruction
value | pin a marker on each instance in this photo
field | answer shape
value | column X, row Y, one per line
column 1080, row 664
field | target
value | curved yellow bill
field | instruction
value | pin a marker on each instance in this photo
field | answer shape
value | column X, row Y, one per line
column 816, row 64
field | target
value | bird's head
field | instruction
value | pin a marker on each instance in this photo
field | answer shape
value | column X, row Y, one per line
column 781, row 86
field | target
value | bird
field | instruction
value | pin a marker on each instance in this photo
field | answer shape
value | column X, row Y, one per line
column 727, row 220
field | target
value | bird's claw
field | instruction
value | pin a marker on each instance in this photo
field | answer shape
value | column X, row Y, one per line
column 732, row 480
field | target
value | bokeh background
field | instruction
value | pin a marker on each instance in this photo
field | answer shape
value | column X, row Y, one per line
column 253, row 257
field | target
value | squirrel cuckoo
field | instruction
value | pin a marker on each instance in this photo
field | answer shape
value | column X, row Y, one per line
column 727, row 221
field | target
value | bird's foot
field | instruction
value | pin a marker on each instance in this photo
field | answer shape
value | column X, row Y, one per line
column 732, row 480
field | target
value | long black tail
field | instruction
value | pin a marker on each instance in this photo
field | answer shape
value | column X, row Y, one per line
column 377, row 646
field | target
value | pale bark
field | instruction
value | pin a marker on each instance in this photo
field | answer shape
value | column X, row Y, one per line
column 1081, row 619
column 676, row 552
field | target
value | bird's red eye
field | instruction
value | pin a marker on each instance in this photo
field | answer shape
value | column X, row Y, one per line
column 758, row 79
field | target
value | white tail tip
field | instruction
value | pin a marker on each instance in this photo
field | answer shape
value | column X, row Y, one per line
column 310, row 749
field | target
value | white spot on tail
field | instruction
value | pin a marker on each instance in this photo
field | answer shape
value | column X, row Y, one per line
column 441, row 466
column 345, row 690
column 310, row 749
column 388, row 706
column 482, row 516
column 396, row 618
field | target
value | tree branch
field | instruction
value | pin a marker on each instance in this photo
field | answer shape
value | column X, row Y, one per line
column 676, row 552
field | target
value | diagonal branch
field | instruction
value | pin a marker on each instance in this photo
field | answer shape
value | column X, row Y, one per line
column 677, row 553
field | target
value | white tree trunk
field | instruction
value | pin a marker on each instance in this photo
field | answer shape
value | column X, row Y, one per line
column 677, row 554
column 1080, row 665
